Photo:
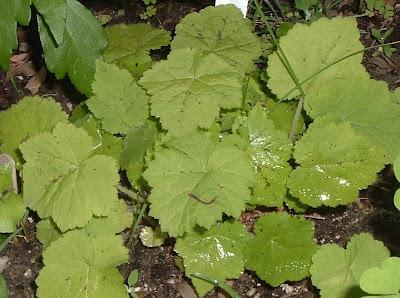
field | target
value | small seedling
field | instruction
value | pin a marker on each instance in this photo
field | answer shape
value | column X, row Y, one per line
column 378, row 7
column 386, row 49
column 150, row 12
column 150, row 9
column 132, row 280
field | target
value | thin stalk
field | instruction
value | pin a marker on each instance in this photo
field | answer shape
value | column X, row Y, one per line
column 80, row 122
column 5, row 242
column 296, row 119
column 317, row 6
column 332, row 5
column 272, row 8
column 131, row 194
column 281, row 10
column 246, row 87
column 14, row 85
column 24, row 226
column 138, row 220
column 281, row 53
column 217, row 283
column 325, row 67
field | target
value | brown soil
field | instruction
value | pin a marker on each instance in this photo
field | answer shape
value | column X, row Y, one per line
column 158, row 276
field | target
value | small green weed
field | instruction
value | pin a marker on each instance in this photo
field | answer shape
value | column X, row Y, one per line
column 386, row 49
column 374, row 7
column 132, row 280
column 150, row 9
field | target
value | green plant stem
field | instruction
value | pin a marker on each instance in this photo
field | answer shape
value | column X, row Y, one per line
column 272, row 8
column 325, row 67
column 14, row 85
column 24, row 226
column 5, row 242
column 246, row 87
column 217, row 283
column 138, row 220
column 281, row 53
column 131, row 194
column 296, row 119
column 333, row 4
column 281, row 10
column 81, row 121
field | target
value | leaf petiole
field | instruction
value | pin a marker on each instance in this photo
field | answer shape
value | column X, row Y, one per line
column 5, row 242
column 217, row 283
column 138, row 220
column 326, row 67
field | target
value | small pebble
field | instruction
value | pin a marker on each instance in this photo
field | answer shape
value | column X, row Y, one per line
column 3, row 263
column 69, row 106
column 28, row 273
column 286, row 288
column 24, row 47
column 251, row 292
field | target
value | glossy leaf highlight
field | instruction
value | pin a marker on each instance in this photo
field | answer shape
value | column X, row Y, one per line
column 282, row 248
column 218, row 252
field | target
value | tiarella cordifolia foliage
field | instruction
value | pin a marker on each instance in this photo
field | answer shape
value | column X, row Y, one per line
column 198, row 133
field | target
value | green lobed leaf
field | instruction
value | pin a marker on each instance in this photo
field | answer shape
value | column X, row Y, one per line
column 118, row 219
column 282, row 248
column 136, row 143
column 11, row 12
column 341, row 37
column 383, row 280
column 396, row 168
column 118, row 101
column 253, row 92
column 395, row 95
column 129, row 46
column 218, row 252
column 397, row 199
column 270, row 150
column 83, row 39
column 366, row 104
column 47, row 232
column 336, row 271
column 282, row 115
column 152, row 238
column 335, row 163
column 78, row 265
column 295, row 204
column 196, row 167
column 30, row 116
column 220, row 31
column 104, row 142
column 5, row 177
column 12, row 209
column 62, row 179
column 189, row 89
column 3, row 287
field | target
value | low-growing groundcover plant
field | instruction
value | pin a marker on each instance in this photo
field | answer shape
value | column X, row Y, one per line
column 199, row 134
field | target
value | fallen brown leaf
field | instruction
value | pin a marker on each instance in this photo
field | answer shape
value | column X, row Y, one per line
column 35, row 82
